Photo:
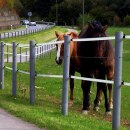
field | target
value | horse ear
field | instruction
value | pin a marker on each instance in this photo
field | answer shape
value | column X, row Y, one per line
column 90, row 25
column 57, row 34
column 74, row 34
column 68, row 33
column 104, row 28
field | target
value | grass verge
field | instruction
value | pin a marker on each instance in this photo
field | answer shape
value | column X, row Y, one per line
column 46, row 112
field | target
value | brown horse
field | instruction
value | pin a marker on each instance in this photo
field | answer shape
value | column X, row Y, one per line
column 75, row 65
column 96, row 60
column 74, row 61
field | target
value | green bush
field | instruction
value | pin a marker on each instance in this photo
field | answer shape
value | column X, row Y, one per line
column 87, row 18
column 117, row 20
column 127, row 20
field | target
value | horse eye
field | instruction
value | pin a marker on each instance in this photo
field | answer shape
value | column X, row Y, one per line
column 56, row 46
column 63, row 45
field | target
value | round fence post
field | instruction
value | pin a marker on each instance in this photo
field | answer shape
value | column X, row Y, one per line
column 2, row 66
column 117, row 81
column 14, row 71
column 4, row 36
column 20, row 56
column 7, row 53
column 32, row 72
column 26, row 54
column 65, row 75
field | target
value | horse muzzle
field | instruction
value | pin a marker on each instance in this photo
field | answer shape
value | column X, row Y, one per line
column 59, row 61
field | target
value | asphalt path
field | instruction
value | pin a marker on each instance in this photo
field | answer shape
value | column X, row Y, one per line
column 10, row 122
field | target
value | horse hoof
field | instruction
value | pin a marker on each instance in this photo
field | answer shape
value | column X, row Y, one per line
column 96, row 108
column 111, row 106
column 71, row 103
column 108, row 113
column 99, row 103
column 84, row 112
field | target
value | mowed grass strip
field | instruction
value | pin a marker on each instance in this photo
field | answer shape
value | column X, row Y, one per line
column 40, row 37
column 46, row 112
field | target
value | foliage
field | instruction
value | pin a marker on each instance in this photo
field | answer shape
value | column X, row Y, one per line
column 70, row 10
column 18, row 7
column 87, row 18
column 10, row 3
column 67, row 15
column 117, row 21
column 7, row 3
column 127, row 20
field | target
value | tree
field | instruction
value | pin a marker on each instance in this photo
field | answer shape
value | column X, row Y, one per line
column 70, row 10
column 67, row 15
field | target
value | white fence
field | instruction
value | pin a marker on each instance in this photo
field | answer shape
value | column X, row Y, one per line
column 24, row 31
column 117, row 74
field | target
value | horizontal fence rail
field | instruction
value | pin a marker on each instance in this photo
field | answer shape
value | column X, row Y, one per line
column 93, row 39
column 49, row 76
column 23, row 56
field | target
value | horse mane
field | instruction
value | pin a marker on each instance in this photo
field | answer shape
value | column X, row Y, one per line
column 96, row 51
column 72, row 34
column 94, row 26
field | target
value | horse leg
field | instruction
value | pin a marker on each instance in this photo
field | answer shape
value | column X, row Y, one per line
column 110, row 96
column 86, row 85
column 104, row 90
column 71, row 89
column 110, row 76
column 98, row 98
column 107, row 106
column 71, row 92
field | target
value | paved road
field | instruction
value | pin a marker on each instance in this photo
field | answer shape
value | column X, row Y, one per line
column 9, row 122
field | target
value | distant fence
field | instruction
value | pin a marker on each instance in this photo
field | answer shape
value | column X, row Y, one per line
column 23, row 55
column 117, row 74
column 24, row 32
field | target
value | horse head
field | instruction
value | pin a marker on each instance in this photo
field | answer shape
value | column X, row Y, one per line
column 96, row 28
column 60, row 46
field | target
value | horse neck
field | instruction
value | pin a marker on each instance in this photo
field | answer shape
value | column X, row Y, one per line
column 73, row 49
column 73, row 53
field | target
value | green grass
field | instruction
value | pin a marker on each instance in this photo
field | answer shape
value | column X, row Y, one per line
column 43, row 36
column 40, row 37
column 46, row 112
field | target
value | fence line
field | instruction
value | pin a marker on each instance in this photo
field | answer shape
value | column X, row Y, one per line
column 23, row 32
column 117, row 80
column 40, row 50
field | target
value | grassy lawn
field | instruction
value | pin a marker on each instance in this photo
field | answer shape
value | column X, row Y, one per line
column 40, row 37
column 46, row 112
